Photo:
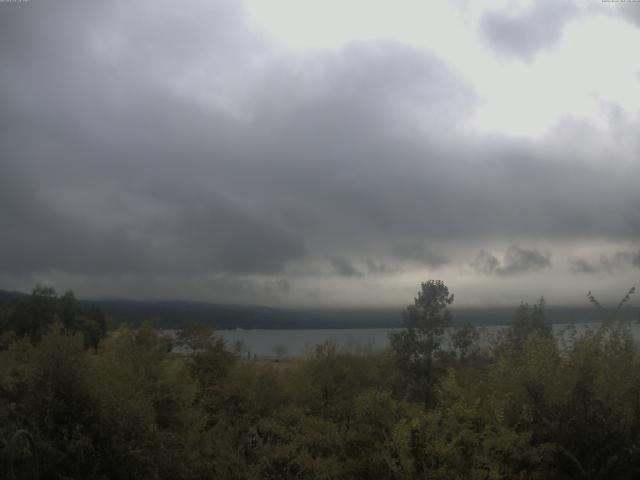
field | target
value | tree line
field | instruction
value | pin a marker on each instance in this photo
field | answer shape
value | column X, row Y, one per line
column 128, row 404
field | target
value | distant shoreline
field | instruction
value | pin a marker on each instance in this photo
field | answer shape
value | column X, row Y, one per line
column 173, row 313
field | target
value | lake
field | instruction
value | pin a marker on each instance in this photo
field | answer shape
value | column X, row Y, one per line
column 265, row 343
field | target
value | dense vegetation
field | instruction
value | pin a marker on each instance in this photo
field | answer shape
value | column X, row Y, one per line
column 436, row 404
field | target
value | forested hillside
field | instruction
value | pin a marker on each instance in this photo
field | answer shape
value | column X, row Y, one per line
column 125, row 406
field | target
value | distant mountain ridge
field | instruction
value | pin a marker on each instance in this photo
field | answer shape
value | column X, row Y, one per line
column 173, row 313
column 8, row 295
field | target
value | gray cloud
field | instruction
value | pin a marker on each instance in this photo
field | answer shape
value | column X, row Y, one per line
column 344, row 268
column 377, row 267
column 417, row 252
column 133, row 143
column 485, row 263
column 181, row 236
column 277, row 288
column 629, row 258
column 627, row 10
column 525, row 34
column 517, row 260
column 192, row 190
column 210, row 233
column 520, row 260
column 605, row 263
column 37, row 237
column 580, row 265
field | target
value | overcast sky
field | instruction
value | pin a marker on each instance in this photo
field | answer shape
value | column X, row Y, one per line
column 320, row 153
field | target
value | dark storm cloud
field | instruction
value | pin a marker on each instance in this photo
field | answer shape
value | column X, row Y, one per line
column 212, row 234
column 36, row 237
column 208, row 235
column 525, row 34
column 145, row 156
column 133, row 140
column 517, row 260
column 63, row 136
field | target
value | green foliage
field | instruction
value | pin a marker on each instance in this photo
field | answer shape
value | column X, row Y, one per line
column 418, row 343
column 137, row 407
column 193, row 336
column 463, row 340
column 45, row 390
column 33, row 316
column 528, row 320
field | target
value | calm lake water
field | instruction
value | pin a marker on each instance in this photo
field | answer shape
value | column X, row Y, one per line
column 270, row 343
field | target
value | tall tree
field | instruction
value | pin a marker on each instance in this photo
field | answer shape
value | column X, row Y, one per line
column 419, row 342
